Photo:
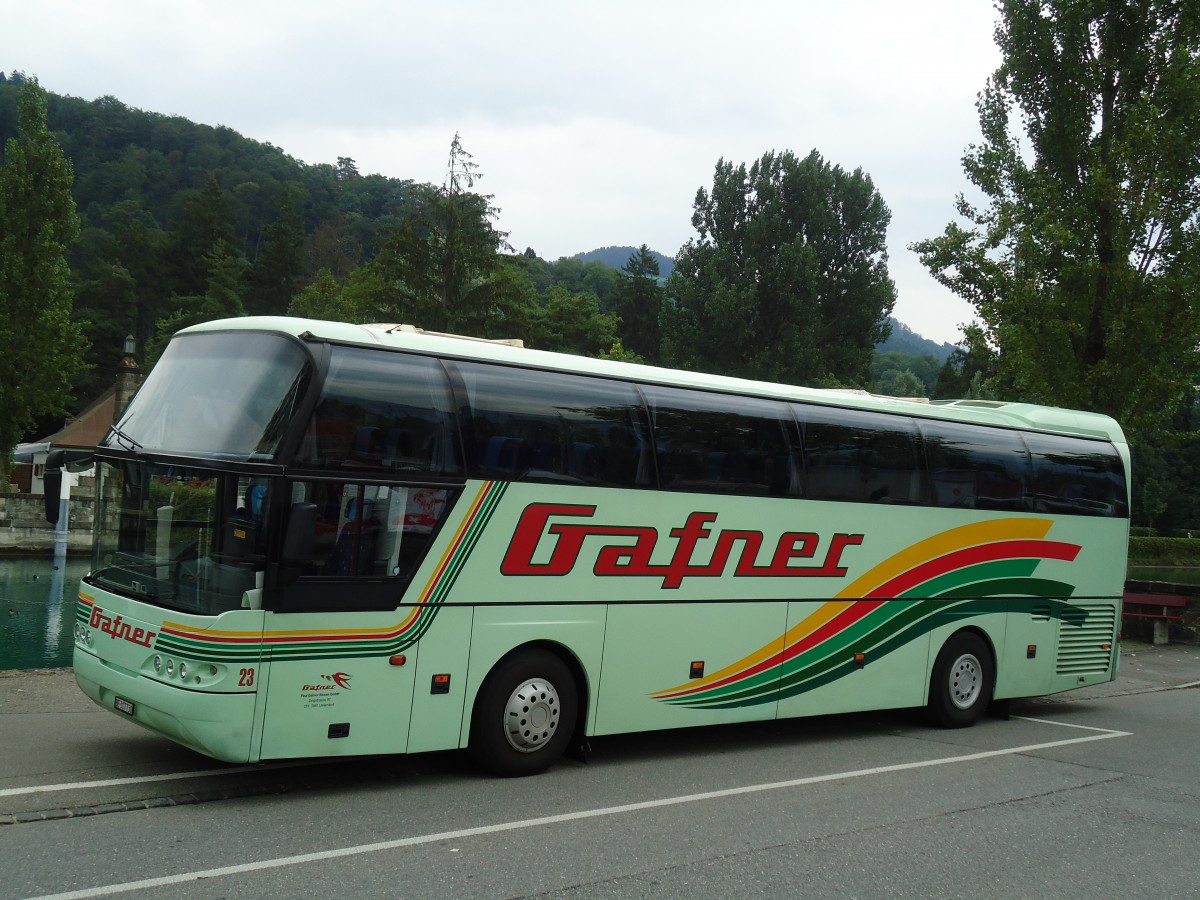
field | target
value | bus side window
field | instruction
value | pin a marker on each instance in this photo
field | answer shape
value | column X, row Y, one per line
column 719, row 443
column 1070, row 476
column 861, row 456
column 370, row 531
column 976, row 467
column 382, row 412
column 554, row 427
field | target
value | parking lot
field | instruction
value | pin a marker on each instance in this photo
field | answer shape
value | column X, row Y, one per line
column 1094, row 793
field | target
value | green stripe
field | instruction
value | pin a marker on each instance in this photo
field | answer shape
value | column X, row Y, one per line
column 1000, row 568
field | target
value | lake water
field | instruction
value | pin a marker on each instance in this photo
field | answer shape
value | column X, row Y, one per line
column 37, row 611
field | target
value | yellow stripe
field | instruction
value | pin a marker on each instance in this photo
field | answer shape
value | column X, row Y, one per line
column 941, row 544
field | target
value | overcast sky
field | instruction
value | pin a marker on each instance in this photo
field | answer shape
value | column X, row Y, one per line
column 593, row 124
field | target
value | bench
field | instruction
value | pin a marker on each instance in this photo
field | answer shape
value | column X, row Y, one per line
column 1159, row 608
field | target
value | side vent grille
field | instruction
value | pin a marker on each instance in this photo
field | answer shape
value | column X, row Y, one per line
column 1082, row 634
column 1041, row 612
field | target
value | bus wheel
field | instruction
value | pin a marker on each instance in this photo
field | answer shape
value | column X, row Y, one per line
column 961, row 686
column 524, row 714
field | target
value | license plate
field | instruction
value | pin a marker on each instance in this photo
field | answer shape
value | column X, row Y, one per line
column 120, row 704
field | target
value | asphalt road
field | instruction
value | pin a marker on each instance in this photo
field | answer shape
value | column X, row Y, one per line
column 1092, row 794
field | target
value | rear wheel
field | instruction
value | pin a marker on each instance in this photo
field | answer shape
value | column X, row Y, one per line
column 961, row 686
column 524, row 714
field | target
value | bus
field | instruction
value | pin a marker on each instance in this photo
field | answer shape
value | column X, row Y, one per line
column 317, row 539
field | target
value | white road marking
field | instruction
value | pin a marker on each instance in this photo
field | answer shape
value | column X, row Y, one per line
column 146, row 779
column 1069, row 725
column 421, row 839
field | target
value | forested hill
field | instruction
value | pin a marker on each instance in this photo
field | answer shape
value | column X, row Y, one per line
column 617, row 257
column 171, row 209
column 904, row 340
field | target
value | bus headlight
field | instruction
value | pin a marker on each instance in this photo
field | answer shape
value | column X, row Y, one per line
column 190, row 672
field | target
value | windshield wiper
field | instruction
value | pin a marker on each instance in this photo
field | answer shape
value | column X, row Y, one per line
column 130, row 443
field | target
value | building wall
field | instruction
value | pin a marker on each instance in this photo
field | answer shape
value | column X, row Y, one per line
column 24, row 529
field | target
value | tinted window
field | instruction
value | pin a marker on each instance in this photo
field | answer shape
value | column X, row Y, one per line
column 721, row 443
column 382, row 412
column 546, row 426
column 369, row 530
column 975, row 467
column 1078, row 477
column 860, row 456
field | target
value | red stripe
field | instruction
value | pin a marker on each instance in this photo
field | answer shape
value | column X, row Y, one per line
column 843, row 620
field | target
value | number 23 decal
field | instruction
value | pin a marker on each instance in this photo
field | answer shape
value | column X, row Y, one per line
column 246, row 678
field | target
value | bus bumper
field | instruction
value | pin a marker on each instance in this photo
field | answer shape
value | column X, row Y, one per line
column 219, row 725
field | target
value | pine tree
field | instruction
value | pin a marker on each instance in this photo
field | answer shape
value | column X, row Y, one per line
column 41, row 349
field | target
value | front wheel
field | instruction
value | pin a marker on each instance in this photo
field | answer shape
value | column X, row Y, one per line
column 961, row 686
column 524, row 714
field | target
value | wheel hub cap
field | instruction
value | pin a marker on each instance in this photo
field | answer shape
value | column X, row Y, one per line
column 531, row 715
column 966, row 681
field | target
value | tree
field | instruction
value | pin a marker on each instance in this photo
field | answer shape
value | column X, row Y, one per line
column 901, row 383
column 41, row 349
column 968, row 368
column 322, row 299
column 279, row 264
column 441, row 269
column 788, row 279
column 1083, row 261
column 890, row 371
column 573, row 323
column 205, row 225
column 638, row 301
column 222, row 300
column 120, row 290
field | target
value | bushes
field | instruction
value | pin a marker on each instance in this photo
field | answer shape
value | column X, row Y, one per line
column 1163, row 551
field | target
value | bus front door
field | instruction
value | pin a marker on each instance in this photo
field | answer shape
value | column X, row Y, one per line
column 335, row 690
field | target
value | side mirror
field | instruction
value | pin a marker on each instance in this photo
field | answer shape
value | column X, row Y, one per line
column 74, row 460
column 53, row 487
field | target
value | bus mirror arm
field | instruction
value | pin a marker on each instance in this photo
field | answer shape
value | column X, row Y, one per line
column 298, row 540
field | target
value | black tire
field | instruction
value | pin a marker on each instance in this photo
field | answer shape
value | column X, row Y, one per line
column 524, row 714
column 960, row 688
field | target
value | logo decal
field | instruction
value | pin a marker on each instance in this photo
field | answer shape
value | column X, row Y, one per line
column 631, row 553
column 116, row 628
column 330, row 683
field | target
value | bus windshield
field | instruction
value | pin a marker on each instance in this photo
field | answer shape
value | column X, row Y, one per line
column 228, row 396
column 185, row 538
